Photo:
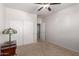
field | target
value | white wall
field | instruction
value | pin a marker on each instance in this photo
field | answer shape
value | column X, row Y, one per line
column 1, row 22
column 24, row 23
column 42, row 28
column 62, row 28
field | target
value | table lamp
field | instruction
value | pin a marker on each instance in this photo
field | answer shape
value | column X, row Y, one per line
column 9, row 31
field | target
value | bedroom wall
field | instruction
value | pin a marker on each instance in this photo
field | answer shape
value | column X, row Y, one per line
column 25, row 23
column 1, row 22
column 62, row 28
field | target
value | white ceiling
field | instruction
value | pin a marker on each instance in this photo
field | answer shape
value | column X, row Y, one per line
column 32, row 8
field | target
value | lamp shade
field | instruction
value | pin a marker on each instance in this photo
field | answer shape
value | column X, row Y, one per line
column 9, row 31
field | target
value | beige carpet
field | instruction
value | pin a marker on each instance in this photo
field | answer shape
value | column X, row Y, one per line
column 44, row 48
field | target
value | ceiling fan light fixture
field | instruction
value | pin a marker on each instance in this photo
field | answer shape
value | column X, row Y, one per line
column 46, row 6
column 49, row 8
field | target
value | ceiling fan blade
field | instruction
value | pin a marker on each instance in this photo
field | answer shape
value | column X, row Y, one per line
column 41, row 3
column 49, row 8
column 48, row 3
column 40, row 8
column 54, row 3
column 38, row 3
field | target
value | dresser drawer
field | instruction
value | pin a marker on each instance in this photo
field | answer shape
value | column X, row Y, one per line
column 8, row 51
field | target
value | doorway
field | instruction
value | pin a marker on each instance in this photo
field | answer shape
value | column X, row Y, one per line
column 38, row 32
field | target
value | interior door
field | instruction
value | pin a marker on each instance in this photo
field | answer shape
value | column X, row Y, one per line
column 38, row 32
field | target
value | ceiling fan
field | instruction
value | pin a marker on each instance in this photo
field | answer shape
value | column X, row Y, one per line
column 46, row 5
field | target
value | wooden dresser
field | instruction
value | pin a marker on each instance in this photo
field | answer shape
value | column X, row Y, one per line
column 8, row 49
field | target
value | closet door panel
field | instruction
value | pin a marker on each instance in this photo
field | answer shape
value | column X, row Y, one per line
column 28, row 32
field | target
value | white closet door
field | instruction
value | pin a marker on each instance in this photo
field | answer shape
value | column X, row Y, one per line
column 28, row 32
